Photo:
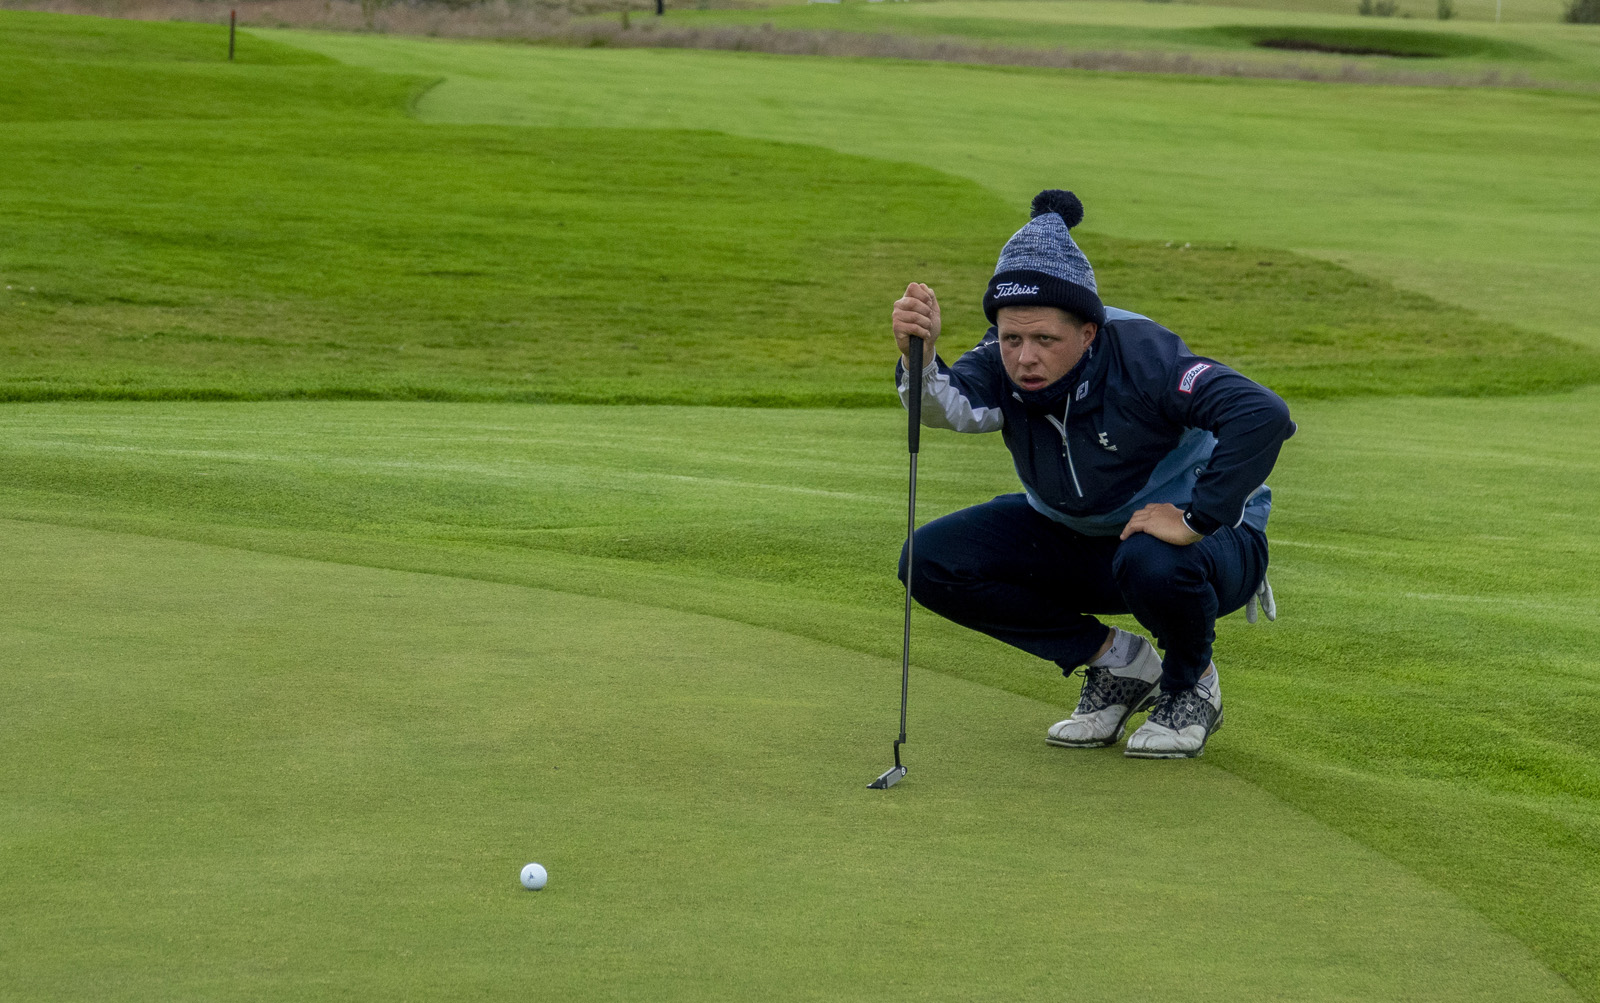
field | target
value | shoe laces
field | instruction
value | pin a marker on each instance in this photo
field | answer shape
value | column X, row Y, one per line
column 1103, row 688
column 1094, row 678
column 1185, row 707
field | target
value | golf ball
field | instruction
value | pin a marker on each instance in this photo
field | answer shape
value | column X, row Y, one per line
column 534, row 877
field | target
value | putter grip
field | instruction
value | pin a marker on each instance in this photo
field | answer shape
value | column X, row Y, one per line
column 914, row 405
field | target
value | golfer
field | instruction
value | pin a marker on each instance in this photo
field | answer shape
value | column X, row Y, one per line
column 1142, row 467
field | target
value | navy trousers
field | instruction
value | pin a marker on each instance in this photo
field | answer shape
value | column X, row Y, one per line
column 1004, row 569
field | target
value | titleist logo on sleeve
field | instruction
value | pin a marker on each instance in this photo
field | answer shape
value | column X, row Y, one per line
column 1014, row 289
column 1186, row 384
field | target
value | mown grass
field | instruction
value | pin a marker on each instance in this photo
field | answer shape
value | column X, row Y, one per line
column 353, row 254
column 1473, row 197
column 53, row 68
column 1428, row 689
column 409, row 261
column 234, row 775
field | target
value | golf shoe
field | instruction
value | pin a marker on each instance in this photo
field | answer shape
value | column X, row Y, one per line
column 1109, row 698
column 1180, row 722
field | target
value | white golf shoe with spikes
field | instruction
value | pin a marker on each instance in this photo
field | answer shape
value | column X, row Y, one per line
column 1109, row 698
column 1180, row 723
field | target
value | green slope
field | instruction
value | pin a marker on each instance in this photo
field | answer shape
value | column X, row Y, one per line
column 401, row 260
column 88, row 69
column 1429, row 690
column 236, row 776
column 1477, row 197
column 345, row 252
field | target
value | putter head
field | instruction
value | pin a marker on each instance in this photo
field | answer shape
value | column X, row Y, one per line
column 891, row 776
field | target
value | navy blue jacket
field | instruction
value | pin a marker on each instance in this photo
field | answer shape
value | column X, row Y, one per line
column 1146, row 421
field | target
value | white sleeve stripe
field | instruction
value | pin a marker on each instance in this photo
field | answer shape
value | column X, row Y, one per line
column 943, row 406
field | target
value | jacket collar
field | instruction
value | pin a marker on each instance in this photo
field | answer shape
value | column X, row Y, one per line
column 1080, row 387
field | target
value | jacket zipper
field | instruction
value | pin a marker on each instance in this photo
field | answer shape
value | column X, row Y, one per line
column 1066, row 450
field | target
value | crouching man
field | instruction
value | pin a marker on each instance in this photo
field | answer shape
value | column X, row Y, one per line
column 1142, row 467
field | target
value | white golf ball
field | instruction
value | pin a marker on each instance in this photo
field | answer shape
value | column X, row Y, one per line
column 534, row 877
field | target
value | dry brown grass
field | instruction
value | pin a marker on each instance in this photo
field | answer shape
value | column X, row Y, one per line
column 957, row 50
column 574, row 23
column 495, row 19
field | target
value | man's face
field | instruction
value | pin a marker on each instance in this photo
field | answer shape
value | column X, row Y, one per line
column 1041, row 344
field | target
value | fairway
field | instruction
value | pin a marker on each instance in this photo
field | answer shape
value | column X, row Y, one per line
column 246, row 775
column 1473, row 196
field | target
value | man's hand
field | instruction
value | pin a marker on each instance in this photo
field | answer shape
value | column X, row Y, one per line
column 916, row 315
column 1164, row 522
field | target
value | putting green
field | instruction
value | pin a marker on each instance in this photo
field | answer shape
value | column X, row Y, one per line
column 1430, row 691
column 235, row 775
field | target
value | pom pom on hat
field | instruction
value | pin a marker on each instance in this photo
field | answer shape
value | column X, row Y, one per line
column 1063, row 204
column 1041, row 265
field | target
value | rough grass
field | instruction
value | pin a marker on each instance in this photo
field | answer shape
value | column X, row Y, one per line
column 1053, row 24
column 1130, row 38
column 348, row 253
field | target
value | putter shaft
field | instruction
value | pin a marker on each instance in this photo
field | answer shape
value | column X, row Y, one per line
column 894, row 774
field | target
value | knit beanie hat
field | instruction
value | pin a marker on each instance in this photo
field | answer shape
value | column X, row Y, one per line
column 1041, row 265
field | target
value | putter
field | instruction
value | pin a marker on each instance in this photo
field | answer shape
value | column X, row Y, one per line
column 897, row 772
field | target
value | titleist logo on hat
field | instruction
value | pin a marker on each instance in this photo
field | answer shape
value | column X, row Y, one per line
column 1015, row 289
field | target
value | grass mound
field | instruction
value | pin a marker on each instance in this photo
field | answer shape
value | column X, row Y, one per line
column 1478, row 199
column 457, row 263
column 348, row 253
column 58, row 68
